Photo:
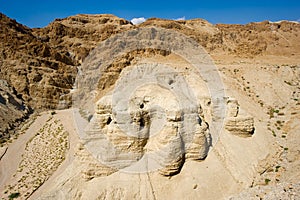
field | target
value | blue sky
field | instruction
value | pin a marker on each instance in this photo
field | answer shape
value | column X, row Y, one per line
column 38, row 13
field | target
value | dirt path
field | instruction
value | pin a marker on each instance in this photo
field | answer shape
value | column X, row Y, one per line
column 10, row 161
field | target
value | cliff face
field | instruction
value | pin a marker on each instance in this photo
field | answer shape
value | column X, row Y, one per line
column 39, row 73
column 41, row 64
column 12, row 109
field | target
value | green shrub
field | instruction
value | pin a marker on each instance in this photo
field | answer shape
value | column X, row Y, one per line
column 267, row 181
column 271, row 112
column 14, row 195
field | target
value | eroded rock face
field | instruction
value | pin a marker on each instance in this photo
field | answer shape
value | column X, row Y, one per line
column 238, row 124
column 90, row 167
column 12, row 109
column 41, row 63
column 150, row 116
column 168, row 146
column 40, row 73
column 151, row 123
column 241, row 126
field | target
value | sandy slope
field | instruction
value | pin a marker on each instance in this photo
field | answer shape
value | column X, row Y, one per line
column 66, row 117
column 10, row 161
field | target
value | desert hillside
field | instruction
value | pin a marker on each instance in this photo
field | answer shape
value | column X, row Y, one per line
column 42, row 155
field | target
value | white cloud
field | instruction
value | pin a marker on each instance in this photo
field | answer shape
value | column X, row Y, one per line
column 138, row 20
column 298, row 20
column 181, row 18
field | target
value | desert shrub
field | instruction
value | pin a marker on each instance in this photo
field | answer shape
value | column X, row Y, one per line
column 267, row 181
column 14, row 195
column 271, row 113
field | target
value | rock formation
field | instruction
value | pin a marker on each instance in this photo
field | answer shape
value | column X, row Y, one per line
column 154, row 129
column 12, row 110
column 236, row 122
column 41, row 63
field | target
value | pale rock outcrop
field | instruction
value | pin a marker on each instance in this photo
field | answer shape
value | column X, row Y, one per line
column 198, row 149
column 241, row 126
column 236, row 122
column 232, row 108
column 121, row 141
column 90, row 167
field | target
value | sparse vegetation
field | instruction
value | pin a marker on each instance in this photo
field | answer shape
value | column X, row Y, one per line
column 289, row 83
column 273, row 132
column 14, row 195
column 267, row 181
column 273, row 111
column 44, row 152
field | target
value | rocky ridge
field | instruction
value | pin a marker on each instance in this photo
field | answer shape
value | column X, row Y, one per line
column 40, row 63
